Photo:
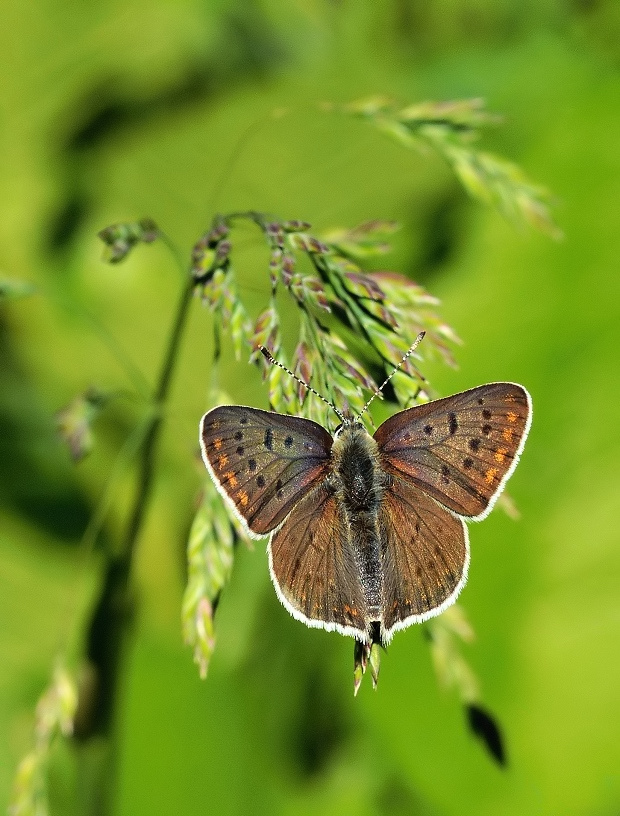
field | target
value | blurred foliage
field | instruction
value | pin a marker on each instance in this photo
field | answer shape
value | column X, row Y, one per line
column 116, row 111
column 54, row 715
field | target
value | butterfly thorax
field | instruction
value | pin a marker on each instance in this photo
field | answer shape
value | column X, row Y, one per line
column 355, row 458
column 359, row 483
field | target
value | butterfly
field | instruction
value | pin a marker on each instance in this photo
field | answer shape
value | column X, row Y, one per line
column 367, row 534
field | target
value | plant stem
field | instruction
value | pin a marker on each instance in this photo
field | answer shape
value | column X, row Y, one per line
column 112, row 615
column 152, row 435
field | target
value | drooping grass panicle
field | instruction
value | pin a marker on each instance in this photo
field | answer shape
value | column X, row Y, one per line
column 451, row 129
column 349, row 320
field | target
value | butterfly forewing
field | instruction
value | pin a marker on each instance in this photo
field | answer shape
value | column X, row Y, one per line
column 313, row 567
column 263, row 462
column 460, row 450
column 425, row 556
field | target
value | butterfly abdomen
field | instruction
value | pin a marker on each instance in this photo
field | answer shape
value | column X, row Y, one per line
column 355, row 459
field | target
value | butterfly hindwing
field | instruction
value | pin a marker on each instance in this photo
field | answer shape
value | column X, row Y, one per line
column 263, row 462
column 425, row 559
column 313, row 567
column 460, row 450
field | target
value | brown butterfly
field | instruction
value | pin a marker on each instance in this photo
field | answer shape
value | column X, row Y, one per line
column 367, row 533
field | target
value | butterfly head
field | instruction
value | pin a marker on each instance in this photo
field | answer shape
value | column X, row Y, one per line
column 349, row 423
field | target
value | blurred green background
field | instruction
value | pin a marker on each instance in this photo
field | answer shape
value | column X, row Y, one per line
column 114, row 111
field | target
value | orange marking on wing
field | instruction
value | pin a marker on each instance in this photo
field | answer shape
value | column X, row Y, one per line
column 490, row 475
column 217, row 444
column 500, row 455
column 243, row 498
column 350, row 611
column 512, row 417
column 507, row 434
column 231, row 478
column 222, row 461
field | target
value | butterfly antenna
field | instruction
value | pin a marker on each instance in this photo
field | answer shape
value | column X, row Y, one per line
column 267, row 354
column 410, row 351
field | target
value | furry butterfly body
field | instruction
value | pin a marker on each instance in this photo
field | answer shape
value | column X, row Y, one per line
column 367, row 533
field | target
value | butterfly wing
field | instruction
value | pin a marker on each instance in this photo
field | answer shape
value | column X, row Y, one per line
column 460, row 450
column 263, row 462
column 313, row 568
column 425, row 556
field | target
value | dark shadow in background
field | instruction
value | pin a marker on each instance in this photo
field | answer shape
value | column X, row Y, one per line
column 249, row 51
column 37, row 478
